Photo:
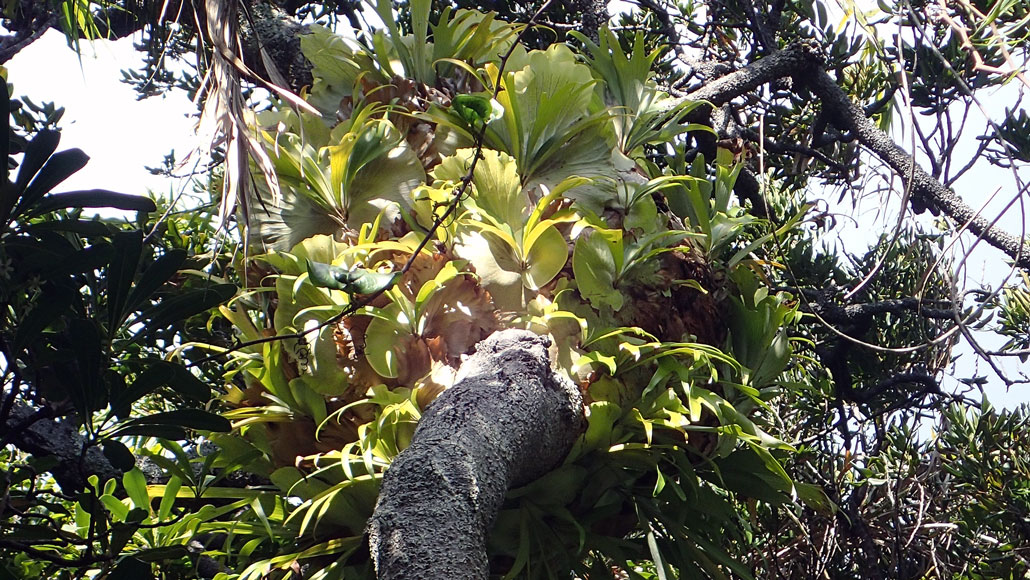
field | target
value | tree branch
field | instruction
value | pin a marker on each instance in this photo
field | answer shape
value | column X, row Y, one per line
column 509, row 421
column 35, row 432
column 857, row 312
column 794, row 58
column 925, row 189
column 803, row 62
column 13, row 44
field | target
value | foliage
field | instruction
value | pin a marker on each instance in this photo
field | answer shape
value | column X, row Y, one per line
column 91, row 308
column 757, row 399
column 967, row 480
column 558, row 233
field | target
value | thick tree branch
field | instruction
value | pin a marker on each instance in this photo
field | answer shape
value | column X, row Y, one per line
column 787, row 62
column 12, row 44
column 266, row 27
column 39, row 434
column 820, row 304
column 925, row 189
column 803, row 62
column 509, row 421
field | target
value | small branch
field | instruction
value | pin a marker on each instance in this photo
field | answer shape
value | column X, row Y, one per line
column 804, row 63
column 1017, row 352
column 967, row 44
column 894, row 305
column 788, row 148
column 819, row 303
column 81, row 561
column 929, row 384
column 925, row 189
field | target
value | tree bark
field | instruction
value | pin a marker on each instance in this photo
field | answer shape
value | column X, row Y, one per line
column 36, row 432
column 507, row 422
column 803, row 62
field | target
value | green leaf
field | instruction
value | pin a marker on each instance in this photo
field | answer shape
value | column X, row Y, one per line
column 5, row 146
column 37, row 152
column 498, row 188
column 159, row 272
column 128, row 248
column 181, row 307
column 168, row 498
column 121, row 533
column 191, row 419
column 90, row 504
column 814, row 497
column 158, row 373
column 178, row 419
column 59, row 167
column 351, row 281
column 186, row 383
column 89, row 358
column 595, row 269
column 555, row 127
column 545, row 257
column 450, row 271
column 130, row 568
column 335, row 68
column 598, row 357
column 497, row 265
column 600, row 425
column 93, row 198
column 383, row 335
column 119, row 455
column 170, row 432
column 83, row 227
column 54, row 302
column 136, row 487
column 744, row 471
column 87, row 259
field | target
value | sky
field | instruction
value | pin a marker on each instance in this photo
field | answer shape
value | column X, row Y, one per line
column 123, row 135
column 102, row 116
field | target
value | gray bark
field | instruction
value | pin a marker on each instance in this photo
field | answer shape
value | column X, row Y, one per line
column 803, row 62
column 925, row 189
column 507, row 422
column 41, row 435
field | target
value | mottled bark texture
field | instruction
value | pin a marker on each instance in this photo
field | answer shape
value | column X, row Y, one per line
column 509, row 420
column 37, row 432
column 595, row 15
column 803, row 63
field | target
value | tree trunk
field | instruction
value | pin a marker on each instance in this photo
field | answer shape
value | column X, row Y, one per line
column 35, row 431
column 507, row 422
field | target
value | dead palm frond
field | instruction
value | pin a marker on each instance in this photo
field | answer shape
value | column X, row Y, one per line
column 223, row 119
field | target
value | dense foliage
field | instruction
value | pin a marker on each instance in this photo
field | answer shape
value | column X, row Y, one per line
column 758, row 404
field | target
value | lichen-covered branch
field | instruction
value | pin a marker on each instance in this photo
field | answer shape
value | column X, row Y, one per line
column 38, row 433
column 507, row 422
column 790, row 61
column 803, row 63
column 925, row 189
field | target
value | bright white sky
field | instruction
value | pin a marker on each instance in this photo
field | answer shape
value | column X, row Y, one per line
column 102, row 117
column 122, row 135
